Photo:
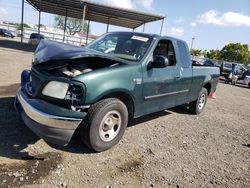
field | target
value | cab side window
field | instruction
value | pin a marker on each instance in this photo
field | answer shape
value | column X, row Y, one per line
column 184, row 54
column 165, row 48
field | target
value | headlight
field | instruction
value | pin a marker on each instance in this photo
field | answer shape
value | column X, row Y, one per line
column 56, row 89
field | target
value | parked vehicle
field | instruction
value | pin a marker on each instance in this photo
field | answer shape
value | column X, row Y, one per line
column 196, row 63
column 240, row 71
column 70, row 87
column 226, row 69
column 35, row 38
column 211, row 63
column 6, row 33
column 246, row 77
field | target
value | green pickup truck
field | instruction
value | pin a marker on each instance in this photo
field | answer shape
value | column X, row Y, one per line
column 97, row 89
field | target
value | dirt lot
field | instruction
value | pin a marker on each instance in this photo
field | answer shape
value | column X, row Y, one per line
column 167, row 149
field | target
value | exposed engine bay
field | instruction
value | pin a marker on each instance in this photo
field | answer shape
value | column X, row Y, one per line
column 75, row 67
column 65, row 60
column 85, row 65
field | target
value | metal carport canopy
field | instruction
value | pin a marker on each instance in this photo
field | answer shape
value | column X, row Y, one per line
column 95, row 12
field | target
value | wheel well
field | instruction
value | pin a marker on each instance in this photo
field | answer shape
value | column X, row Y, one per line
column 208, row 87
column 125, row 98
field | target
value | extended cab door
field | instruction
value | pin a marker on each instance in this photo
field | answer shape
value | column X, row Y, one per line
column 185, row 75
column 159, row 84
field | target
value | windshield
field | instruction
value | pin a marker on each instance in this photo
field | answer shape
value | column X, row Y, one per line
column 129, row 46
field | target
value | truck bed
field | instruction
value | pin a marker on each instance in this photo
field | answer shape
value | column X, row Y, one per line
column 202, row 74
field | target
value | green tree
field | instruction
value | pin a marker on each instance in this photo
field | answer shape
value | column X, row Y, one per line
column 248, row 60
column 212, row 54
column 196, row 52
column 73, row 25
column 235, row 52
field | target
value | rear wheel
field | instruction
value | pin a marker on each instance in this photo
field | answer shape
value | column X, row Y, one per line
column 105, row 124
column 197, row 106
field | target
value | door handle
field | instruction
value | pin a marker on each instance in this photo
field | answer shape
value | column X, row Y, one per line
column 177, row 76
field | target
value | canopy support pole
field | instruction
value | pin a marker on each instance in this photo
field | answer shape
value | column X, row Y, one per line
column 39, row 22
column 107, row 29
column 65, row 22
column 87, row 37
column 22, row 21
column 162, row 25
column 192, row 42
column 143, row 28
column 83, row 20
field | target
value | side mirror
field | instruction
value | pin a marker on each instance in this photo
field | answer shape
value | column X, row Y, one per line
column 159, row 62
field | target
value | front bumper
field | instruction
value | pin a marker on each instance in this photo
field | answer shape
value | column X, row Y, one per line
column 50, row 122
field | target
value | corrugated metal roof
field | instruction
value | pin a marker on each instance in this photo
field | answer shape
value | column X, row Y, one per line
column 95, row 12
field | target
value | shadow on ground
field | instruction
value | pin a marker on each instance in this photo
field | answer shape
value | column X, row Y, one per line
column 240, row 83
column 15, row 45
column 14, row 138
column 147, row 118
column 14, row 135
column 76, row 146
column 246, row 145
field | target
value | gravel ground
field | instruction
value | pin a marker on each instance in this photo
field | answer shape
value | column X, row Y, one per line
column 170, row 148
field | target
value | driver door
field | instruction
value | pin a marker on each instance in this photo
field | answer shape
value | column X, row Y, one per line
column 159, row 84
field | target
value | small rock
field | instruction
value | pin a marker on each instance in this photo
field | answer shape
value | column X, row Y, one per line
column 21, row 178
column 184, row 142
column 16, row 174
column 109, row 186
column 37, row 163
column 150, row 151
column 64, row 184
column 46, row 159
column 152, row 185
column 4, row 181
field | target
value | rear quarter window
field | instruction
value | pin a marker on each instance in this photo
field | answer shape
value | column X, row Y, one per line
column 184, row 54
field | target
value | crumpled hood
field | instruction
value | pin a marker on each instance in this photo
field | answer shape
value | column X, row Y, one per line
column 48, row 50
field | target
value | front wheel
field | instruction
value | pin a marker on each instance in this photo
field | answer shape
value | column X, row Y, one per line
column 105, row 124
column 197, row 106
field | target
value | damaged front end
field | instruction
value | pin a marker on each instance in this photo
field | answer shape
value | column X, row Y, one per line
column 50, row 101
column 61, row 91
column 53, row 70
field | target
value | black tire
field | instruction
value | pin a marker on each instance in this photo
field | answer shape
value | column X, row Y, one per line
column 198, row 105
column 105, row 124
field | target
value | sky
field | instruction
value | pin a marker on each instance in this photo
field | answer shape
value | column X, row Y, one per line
column 212, row 23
